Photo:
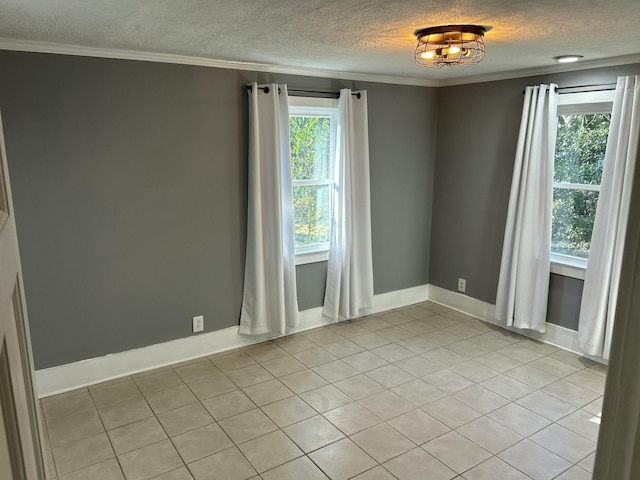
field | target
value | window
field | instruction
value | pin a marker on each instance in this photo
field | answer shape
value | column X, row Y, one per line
column 583, row 128
column 312, row 124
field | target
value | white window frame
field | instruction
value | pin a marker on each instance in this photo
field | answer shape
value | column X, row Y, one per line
column 576, row 103
column 310, row 106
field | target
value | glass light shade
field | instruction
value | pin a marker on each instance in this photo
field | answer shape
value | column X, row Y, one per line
column 450, row 45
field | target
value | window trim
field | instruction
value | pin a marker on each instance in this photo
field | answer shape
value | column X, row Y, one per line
column 315, row 106
column 578, row 103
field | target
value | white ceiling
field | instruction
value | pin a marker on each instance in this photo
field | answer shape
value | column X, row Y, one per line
column 373, row 37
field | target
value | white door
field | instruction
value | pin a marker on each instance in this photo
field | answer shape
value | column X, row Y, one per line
column 20, row 449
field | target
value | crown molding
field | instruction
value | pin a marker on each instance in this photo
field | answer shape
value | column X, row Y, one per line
column 533, row 71
column 63, row 49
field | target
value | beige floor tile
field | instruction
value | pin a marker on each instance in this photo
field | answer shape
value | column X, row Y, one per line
column 267, row 392
column 572, row 359
column 395, row 334
column 136, row 435
column 112, row 394
column 170, row 399
column 69, row 429
column 395, row 317
column 497, row 361
column 150, row 461
column 228, row 405
column 444, row 357
column 283, row 365
column 184, row 419
column 229, row 464
column 415, row 312
column 418, row 427
column 519, row 419
column 570, row 393
column 531, row 376
column 303, row 381
column 440, row 337
column 539, row 347
column 588, row 380
column 108, row 383
column 151, row 371
column 373, row 324
column 67, row 404
column 298, row 469
column 247, row 426
column 418, row 345
column 294, row 343
column 247, row 376
column 181, row 473
column 480, row 399
column 107, row 470
column 468, row 349
column 418, row 326
column 418, row 464
column 342, row 460
column 521, row 354
column 456, row 451
column 335, row 371
column 359, row 387
column 490, row 435
column 201, row 442
column 594, row 407
column 564, row 442
column 588, row 462
column 474, row 371
column 386, row 405
column 490, row 342
column 441, row 321
column 418, row 366
column 212, row 386
column 313, row 433
column 370, row 340
column 545, row 405
column 365, row 361
column 322, row 336
column 288, row 411
column 382, row 442
column 325, row 398
column 582, row 422
column 343, row 348
column 315, row 356
column 269, row 451
column 124, row 413
column 554, row 367
column 82, row 453
column 232, row 361
column 447, row 381
column 464, row 330
column 263, row 352
column 575, row 473
column 352, row 418
column 451, row 412
column 376, row 473
column 507, row 387
column 392, row 352
column 494, row 469
column 197, row 371
column 533, row 460
column 390, row 376
column 158, row 381
column 598, row 369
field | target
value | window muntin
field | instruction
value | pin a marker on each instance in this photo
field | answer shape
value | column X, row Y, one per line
column 313, row 124
column 579, row 160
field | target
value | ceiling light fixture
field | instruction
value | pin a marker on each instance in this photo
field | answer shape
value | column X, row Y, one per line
column 567, row 58
column 450, row 45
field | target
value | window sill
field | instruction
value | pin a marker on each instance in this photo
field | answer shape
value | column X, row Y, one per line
column 312, row 257
column 568, row 266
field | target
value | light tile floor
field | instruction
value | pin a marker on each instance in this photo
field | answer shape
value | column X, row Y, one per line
column 416, row 393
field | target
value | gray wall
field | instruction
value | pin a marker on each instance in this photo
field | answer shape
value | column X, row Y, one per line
column 129, row 183
column 475, row 150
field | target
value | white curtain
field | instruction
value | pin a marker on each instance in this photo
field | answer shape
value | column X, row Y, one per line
column 601, row 281
column 350, row 271
column 269, row 302
column 523, row 285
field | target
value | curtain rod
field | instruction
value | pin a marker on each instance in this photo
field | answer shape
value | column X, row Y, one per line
column 301, row 93
column 589, row 87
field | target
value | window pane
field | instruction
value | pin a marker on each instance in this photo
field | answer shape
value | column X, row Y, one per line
column 310, row 147
column 580, row 147
column 574, row 212
column 312, row 213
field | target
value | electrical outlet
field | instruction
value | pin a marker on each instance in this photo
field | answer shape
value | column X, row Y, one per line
column 198, row 323
column 462, row 285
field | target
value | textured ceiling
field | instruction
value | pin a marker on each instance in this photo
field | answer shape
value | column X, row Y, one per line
column 348, row 36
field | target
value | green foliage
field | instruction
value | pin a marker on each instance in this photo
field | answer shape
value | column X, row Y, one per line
column 311, row 163
column 579, row 159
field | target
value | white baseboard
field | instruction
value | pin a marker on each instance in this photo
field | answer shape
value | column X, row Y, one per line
column 59, row 379
column 556, row 335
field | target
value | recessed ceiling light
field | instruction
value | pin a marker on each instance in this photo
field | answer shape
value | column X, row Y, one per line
column 567, row 58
